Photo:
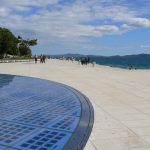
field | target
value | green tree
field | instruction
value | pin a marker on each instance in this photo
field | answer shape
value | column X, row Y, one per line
column 24, row 50
column 24, row 46
column 8, row 42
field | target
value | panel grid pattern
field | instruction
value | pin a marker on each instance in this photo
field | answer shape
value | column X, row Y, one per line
column 36, row 114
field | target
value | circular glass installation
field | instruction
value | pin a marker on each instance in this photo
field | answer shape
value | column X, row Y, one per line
column 37, row 114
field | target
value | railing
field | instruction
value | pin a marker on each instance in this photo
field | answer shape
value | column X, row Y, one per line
column 15, row 60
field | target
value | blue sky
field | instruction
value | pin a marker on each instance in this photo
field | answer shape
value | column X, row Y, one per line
column 99, row 27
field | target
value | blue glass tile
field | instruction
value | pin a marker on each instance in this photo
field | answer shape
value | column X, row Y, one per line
column 59, row 109
column 66, row 123
column 45, row 140
column 3, row 147
column 36, row 114
column 11, row 132
column 6, row 148
column 37, row 118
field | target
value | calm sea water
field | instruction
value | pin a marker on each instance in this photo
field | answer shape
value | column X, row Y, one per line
column 139, row 61
column 124, row 62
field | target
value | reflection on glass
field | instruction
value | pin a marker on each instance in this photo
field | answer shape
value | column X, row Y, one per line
column 5, row 79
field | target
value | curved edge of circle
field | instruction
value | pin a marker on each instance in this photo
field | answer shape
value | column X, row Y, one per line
column 82, row 133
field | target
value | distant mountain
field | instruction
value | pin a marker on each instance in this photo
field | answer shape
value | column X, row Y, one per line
column 68, row 55
column 136, row 61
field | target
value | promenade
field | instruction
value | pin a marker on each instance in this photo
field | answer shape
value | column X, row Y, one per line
column 121, row 99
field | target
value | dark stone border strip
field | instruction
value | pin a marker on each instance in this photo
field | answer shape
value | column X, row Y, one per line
column 81, row 135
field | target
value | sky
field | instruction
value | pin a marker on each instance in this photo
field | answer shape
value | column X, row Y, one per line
column 98, row 27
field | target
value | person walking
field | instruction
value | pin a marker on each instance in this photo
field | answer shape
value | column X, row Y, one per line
column 35, row 58
column 41, row 58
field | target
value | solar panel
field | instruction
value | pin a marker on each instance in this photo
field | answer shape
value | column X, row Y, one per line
column 37, row 114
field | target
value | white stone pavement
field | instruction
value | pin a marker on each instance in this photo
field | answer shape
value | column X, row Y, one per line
column 121, row 100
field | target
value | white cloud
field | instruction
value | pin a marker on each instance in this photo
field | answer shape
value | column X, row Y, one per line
column 126, row 27
column 145, row 46
column 140, row 22
column 22, row 8
column 65, row 23
column 4, row 12
column 10, row 3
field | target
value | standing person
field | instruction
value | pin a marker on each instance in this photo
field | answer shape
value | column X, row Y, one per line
column 88, row 60
column 35, row 58
column 72, row 59
column 41, row 59
column 94, row 63
column 81, row 61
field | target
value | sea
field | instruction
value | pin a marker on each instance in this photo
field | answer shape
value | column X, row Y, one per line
column 136, row 61
column 141, row 61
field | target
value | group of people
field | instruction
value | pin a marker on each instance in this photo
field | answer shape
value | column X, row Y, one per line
column 42, row 58
column 85, row 60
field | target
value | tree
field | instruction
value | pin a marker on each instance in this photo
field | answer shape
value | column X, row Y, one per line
column 8, row 42
column 24, row 46
column 24, row 50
